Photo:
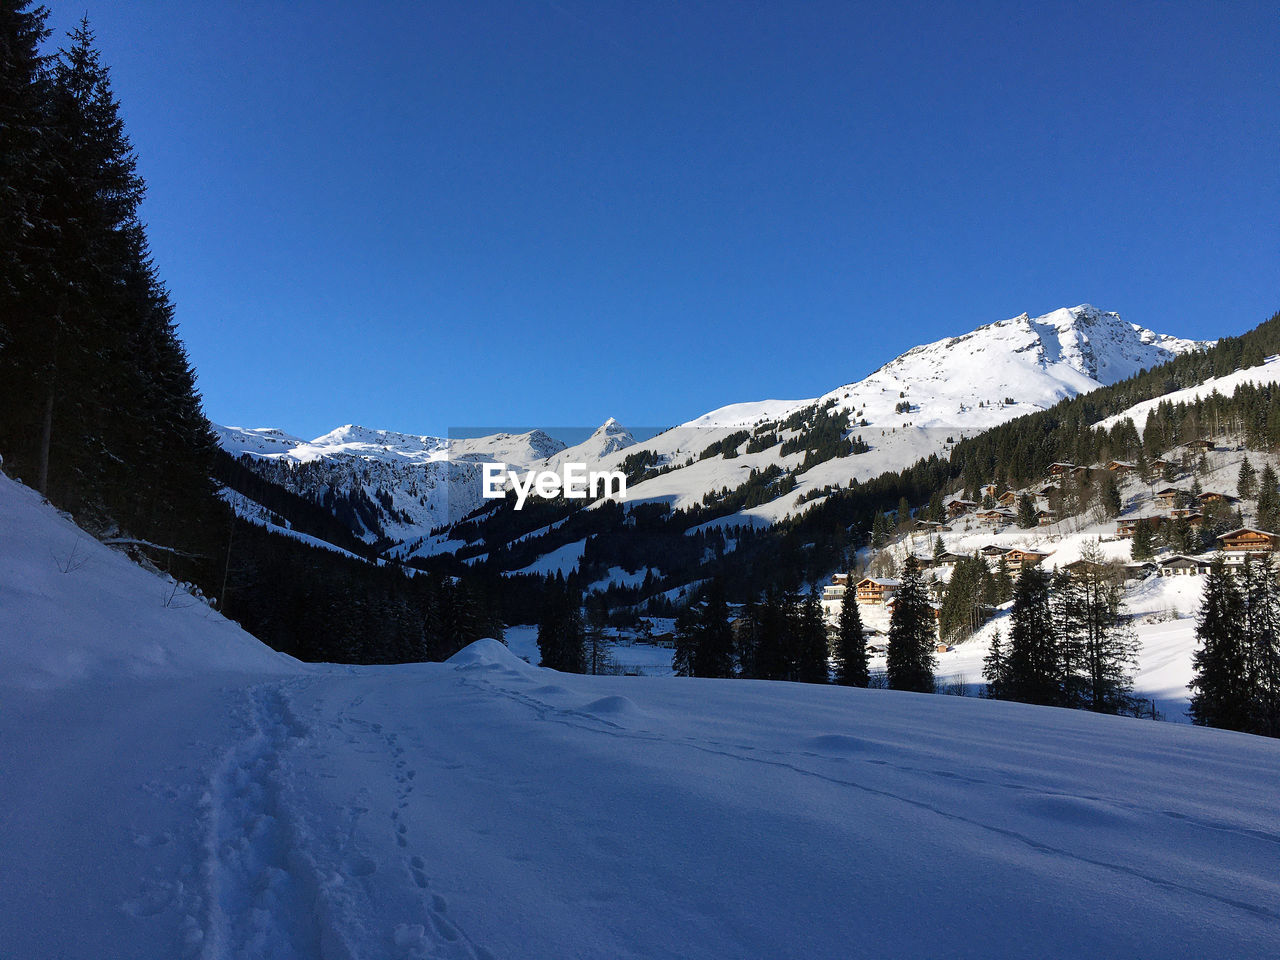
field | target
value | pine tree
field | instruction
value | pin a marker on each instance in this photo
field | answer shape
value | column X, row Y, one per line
column 773, row 648
column 1026, row 512
column 1268, row 499
column 560, row 632
column 939, row 548
column 1220, row 689
column 1110, row 494
column 881, row 530
column 912, row 636
column 812, row 649
column 993, row 668
column 596, row 644
column 1247, row 481
column 937, row 512
column 1262, row 645
column 99, row 397
column 1003, row 582
column 27, row 170
column 852, row 669
column 684, row 659
column 1096, row 647
column 714, row 650
column 1032, row 670
column 746, row 641
column 1143, row 545
column 963, row 606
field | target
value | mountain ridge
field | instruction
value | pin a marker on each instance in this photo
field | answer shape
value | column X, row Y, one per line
column 918, row 403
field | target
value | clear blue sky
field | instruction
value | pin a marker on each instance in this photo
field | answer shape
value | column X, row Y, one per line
column 418, row 215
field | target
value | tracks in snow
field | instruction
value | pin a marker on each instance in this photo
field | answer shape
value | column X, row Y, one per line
column 291, row 871
column 262, row 900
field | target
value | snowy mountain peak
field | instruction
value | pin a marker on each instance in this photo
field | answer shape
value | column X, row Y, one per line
column 608, row 438
column 1032, row 359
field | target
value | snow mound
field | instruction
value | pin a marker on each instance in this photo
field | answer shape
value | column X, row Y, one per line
column 73, row 609
column 613, row 707
column 488, row 654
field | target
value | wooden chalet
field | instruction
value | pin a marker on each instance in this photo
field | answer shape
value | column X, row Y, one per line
column 930, row 526
column 1060, row 469
column 1183, row 566
column 1076, row 567
column 1048, row 490
column 1121, row 467
column 948, row 559
column 1007, row 499
column 1237, row 544
column 1045, row 517
column 1018, row 559
column 1203, row 445
column 1213, row 496
column 992, row 552
column 988, row 490
column 994, row 518
column 1125, row 528
column 1169, row 496
column 874, row 591
column 958, row 507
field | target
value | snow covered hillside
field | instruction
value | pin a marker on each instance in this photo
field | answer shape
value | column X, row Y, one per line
column 173, row 789
column 1163, row 609
column 922, row 402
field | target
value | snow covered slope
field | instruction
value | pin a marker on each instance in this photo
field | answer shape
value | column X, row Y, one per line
column 1265, row 373
column 922, row 401
column 74, row 610
column 172, row 790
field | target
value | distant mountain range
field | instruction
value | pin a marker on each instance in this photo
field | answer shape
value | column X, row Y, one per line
column 403, row 492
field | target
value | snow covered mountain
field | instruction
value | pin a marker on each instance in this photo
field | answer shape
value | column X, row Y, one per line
column 394, row 488
column 918, row 404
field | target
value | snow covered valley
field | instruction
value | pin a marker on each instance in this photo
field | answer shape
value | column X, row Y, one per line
column 171, row 788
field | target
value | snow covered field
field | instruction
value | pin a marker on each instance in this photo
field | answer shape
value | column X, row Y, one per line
column 172, row 789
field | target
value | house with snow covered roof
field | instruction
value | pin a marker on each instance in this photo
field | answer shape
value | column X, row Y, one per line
column 1248, row 541
column 994, row 518
column 1018, row 559
column 1180, row 565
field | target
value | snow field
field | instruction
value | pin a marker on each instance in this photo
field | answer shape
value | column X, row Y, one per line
column 178, row 791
